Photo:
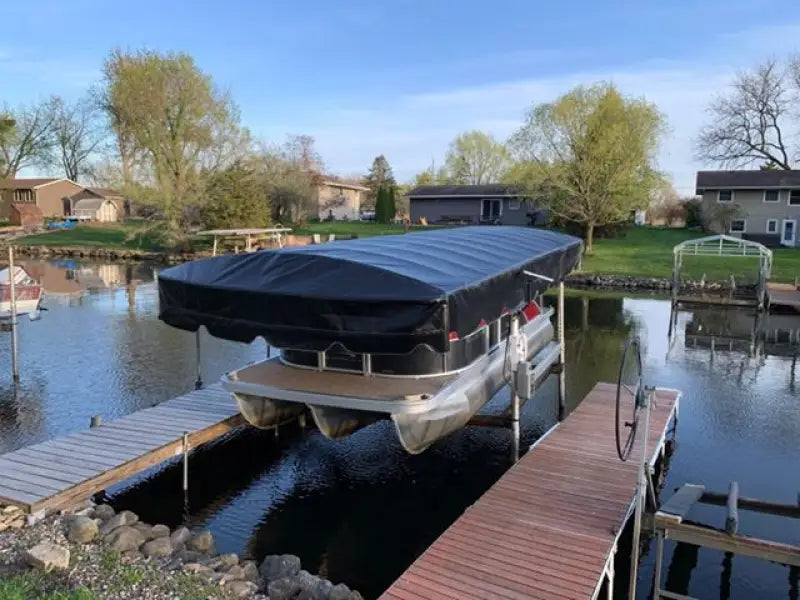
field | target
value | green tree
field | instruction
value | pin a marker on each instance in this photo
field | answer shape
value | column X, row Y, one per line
column 165, row 108
column 380, row 174
column 476, row 157
column 234, row 198
column 591, row 154
column 385, row 208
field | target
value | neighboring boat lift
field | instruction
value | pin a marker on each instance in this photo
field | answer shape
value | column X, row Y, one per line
column 275, row 235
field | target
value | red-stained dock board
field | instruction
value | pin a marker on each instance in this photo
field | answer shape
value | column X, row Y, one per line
column 547, row 528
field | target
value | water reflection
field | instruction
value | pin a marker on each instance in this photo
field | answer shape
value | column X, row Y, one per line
column 360, row 509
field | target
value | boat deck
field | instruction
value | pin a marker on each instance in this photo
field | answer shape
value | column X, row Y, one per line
column 548, row 528
column 64, row 471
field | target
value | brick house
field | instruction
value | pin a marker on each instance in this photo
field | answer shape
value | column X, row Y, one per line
column 52, row 196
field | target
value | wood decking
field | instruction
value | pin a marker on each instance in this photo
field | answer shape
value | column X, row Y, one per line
column 548, row 528
column 63, row 471
column 784, row 294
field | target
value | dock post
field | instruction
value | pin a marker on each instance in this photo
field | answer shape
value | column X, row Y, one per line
column 185, row 461
column 562, row 381
column 659, row 563
column 514, row 396
column 198, row 384
column 641, row 496
column 14, row 340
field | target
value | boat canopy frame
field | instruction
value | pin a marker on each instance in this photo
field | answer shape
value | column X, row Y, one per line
column 725, row 246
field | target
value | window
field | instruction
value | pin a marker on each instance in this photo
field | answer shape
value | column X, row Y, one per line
column 772, row 225
column 724, row 196
column 737, row 226
column 514, row 204
column 794, row 198
column 770, row 195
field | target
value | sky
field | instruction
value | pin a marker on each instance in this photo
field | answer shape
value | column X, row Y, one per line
column 402, row 78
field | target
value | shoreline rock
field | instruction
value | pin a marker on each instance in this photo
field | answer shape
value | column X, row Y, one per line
column 645, row 284
column 102, row 548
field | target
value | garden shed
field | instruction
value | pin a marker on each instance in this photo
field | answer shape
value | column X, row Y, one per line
column 96, row 209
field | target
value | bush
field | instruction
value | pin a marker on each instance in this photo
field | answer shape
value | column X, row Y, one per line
column 234, row 198
column 694, row 212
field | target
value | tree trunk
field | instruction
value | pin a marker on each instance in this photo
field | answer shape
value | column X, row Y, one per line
column 589, row 237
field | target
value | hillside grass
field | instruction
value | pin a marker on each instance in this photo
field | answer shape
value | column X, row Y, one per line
column 647, row 252
column 133, row 234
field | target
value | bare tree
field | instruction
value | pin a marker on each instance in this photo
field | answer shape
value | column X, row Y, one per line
column 30, row 141
column 749, row 123
column 77, row 134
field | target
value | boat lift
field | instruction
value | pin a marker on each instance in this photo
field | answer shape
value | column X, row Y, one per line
column 669, row 520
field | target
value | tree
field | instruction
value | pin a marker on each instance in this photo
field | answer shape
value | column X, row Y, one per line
column 289, row 174
column 6, row 131
column 476, row 157
column 165, row 107
column 431, row 176
column 384, row 205
column 234, row 197
column 591, row 154
column 77, row 135
column 380, row 174
column 749, row 123
column 30, row 141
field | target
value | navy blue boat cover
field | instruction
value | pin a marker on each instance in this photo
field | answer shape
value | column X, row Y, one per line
column 384, row 294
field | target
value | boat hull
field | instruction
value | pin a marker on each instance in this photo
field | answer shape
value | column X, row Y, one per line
column 423, row 409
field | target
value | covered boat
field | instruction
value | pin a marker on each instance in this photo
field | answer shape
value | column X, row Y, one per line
column 27, row 291
column 424, row 327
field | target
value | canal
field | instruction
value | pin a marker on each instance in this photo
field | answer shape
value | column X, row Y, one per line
column 360, row 510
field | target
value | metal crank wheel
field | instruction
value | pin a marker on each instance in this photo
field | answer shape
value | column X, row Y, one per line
column 630, row 391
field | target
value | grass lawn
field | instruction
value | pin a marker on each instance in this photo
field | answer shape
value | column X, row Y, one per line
column 348, row 228
column 647, row 252
column 132, row 235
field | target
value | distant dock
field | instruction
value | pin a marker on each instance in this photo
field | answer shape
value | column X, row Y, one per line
column 62, row 472
column 549, row 527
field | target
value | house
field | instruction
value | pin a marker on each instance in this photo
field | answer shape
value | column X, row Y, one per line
column 765, row 204
column 49, row 195
column 96, row 204
column 491, row 204
column 339, row 201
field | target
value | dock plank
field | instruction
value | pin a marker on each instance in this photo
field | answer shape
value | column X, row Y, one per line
column 548, row 526
column 60, row 472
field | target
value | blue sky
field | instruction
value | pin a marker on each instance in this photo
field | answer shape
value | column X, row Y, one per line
column 402, row 78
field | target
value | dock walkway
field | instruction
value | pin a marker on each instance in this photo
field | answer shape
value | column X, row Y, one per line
column 783, row 294
column 63, row 471
column 549, row 527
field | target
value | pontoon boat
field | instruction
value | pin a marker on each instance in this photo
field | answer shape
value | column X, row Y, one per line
column 423, row 328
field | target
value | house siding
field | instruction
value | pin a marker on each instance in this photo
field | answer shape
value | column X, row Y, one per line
column 757, row 213
column 330, row 203
column 49, row 198
column 439, row 210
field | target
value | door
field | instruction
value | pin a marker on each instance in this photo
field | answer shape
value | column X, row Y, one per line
column 788, row 233
column 491, row 210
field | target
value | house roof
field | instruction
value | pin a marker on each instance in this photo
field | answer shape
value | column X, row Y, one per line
column 466, row 191
column 342, row 184
column 105, row 192
column 28, row 184
column 755, row 179
column 91, row 203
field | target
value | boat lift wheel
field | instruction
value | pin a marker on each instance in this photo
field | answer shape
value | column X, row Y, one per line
column 629, row 384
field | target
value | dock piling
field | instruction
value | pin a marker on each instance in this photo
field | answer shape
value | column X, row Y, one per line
column 562, row 381
column 198, row 384
column 14, row 340
column 185, row 461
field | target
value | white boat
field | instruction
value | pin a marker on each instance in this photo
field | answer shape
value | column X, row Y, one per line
column 27, row 290
column 421, row 328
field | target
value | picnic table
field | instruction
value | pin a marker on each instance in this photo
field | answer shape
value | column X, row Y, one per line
column 274, row 234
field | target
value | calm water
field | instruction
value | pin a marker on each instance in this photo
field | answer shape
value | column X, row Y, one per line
column 360, row 510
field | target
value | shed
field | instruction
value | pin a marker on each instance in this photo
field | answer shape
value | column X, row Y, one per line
column 96, row 209
column 26, row 215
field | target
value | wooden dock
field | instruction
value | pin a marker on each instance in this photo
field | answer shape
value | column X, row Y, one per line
column 65, row 471
column 783, row 294
column 549, row 527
